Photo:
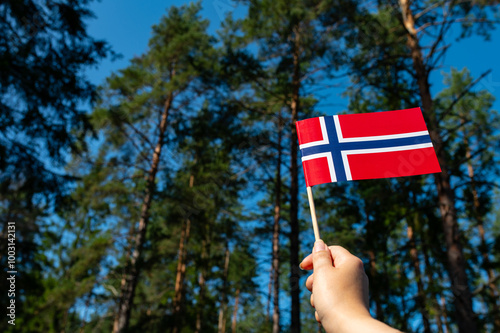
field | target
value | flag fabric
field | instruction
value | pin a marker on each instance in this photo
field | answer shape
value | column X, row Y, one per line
column 365, row 146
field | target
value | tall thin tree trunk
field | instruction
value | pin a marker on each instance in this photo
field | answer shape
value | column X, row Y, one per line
column 269, row 293
column 421, row 299
column 439, row 323
column 205, row 244
column 466, row 318
column 483, row 247
column 128, row 288
column 128, row 250
column 276, row 234
column 401, row 290
column 181, row 270
column 445, row 316
column 484, row 253
column 294, row 190
column 428, row 274
column 201, row 283
column 235, row 311
column 379, row 312
column 222, row 307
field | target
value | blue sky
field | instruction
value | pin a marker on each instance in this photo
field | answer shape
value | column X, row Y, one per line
column 126, row 25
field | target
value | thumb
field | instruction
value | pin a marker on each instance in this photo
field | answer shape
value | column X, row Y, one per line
column 322, row 257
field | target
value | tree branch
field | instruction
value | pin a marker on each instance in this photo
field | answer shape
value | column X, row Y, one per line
column 462, row 94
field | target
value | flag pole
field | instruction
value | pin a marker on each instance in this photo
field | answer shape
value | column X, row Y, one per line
column 313, row 213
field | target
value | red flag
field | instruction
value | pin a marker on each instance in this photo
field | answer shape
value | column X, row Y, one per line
column 366, row 146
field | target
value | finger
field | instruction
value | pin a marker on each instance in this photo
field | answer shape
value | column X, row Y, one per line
column 307, row 263
column 312, row 300
column 337, row 251
column 322, row 259
column 339, row 255
column 309, row 283
column 317, row 317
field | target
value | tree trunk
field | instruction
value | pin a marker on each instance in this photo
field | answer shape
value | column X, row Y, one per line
column 202, row 280
column 235, row 311
column 402, row 293
column 294, row 190
column 181, row 271
column 439, row 323
column 483, row 247
column 421, row 299
column 466, row 318
column 445, row 316
column 379, row 312
column 372, row 273
column 222, row 307
column 441, row 313
column 276, row 235
column 130, row 280
column 201, row 301
column 269, row 293
column 428, row 273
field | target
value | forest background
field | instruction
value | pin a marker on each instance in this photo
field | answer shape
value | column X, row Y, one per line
column 162, row 190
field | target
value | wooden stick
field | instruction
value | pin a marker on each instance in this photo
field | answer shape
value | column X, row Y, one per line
column 313, row 213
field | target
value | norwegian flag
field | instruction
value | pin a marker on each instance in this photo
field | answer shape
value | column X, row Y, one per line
column 366, row 146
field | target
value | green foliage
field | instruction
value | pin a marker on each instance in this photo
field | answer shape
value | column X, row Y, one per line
column 227, row 103
column 44, row 48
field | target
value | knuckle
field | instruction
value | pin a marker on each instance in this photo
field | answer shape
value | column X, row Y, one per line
column 358, row 263
column 335, row 247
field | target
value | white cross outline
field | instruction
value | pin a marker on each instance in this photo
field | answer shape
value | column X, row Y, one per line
column 345, row 153
column 373, row 138
column 329, row 159
column 323, row 141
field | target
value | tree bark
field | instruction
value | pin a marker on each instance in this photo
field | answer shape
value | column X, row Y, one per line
column 276, row 235
column 222, row 307
column 402, row 294
column 439, row 323
column 429, row 274
column 421, row 299
column 294, row 190
column 372, row 272
column 466, row 318
column 181, row 271
column 235, row 311
column 130, row 280
column 379, row 312
column 202, row 280
column 445, row 316
column 269, row 292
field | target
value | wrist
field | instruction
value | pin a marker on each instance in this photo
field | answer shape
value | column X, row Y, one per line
column 336, row 321
column 354, row 321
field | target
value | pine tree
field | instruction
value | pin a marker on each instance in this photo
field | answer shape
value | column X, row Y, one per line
column 380, row 43
column 470, row 127
column 44, row 47
column 137, row 106
column 293, row 43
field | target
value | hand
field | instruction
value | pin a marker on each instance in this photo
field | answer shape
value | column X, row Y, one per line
column 339, row 289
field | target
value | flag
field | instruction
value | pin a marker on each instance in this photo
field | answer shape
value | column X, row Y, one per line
column 365, row 146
